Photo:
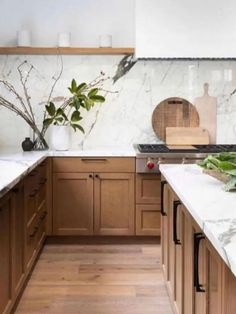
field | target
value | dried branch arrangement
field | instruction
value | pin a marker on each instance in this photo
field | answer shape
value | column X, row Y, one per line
column 23, row 105
column 83, row 96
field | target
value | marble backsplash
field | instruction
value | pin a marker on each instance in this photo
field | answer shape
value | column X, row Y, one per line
column 125, row 117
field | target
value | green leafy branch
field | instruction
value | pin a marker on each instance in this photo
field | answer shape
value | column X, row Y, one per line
column 83, row 96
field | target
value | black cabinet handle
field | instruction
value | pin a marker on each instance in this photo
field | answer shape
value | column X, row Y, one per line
column 163, row 183
column 175, row 208
column 34, row 193
column 34, row 232
column 96, row 176
column 43, row 215
column 43, row 181
column 197, row 239
column 90, row 176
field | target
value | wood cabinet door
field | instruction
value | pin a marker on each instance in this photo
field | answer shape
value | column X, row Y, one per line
column 114, row 204
column 193, row 301
column 214, row 290
column 148, row 188
column 5, row 253
column 18, row 239
column 179, row 261
column 171, row 249
column 72, row 204
column 165, row 232
column 148, row 219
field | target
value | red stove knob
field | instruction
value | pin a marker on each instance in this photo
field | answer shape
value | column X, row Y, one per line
column 150, row 165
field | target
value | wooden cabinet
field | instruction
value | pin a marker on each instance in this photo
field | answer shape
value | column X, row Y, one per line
column 148, row 199
column 99, row 202
column 6, row 206
column 114, row 204
column 18, row 235
column 198, row 280
column 72, row 204
column 35, row 213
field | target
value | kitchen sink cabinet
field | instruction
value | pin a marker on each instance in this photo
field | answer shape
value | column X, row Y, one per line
column 99, row 202
column 148, row 199
column 198, row 281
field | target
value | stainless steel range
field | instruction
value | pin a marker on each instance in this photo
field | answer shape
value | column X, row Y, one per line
column 150, row 156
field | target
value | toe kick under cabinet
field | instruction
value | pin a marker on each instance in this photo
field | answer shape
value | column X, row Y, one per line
column 93, row 196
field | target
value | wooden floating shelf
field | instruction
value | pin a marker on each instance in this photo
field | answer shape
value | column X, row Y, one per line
column 64, row 51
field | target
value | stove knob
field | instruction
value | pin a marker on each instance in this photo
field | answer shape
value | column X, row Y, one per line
column 150, row 165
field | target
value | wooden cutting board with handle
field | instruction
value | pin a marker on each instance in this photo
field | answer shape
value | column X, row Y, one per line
column 187, row 136
column 173, row 112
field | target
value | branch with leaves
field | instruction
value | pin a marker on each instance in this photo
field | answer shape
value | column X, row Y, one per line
column 83, row 96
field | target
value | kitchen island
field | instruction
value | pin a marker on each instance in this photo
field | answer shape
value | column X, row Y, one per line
column 198, row 241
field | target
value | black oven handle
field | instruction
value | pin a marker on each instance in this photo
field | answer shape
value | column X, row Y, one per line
column 175, row 208
column 163, row 183
column 197, row 239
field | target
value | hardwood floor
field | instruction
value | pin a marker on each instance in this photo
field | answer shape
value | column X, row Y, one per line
column 97, row 279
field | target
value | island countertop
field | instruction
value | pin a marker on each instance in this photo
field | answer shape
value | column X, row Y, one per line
column 212, row 208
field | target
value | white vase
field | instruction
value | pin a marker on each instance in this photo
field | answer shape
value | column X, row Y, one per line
column 60, row 137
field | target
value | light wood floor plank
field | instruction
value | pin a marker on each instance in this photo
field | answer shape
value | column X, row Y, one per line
column 97, row 279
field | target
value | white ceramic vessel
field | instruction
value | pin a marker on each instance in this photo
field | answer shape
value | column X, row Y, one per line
column 60, row 137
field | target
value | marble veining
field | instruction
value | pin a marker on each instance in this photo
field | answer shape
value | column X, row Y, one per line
column 137, row 85
column 208, row 203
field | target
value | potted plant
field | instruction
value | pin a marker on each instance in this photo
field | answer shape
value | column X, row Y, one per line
column 68, row 115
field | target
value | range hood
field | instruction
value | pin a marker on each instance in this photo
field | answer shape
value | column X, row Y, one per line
column 185, row 29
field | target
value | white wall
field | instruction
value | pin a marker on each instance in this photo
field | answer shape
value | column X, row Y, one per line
column 85, row 19
column 185, row 28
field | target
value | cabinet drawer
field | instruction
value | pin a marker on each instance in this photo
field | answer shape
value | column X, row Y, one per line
column 148, row 220
column 93, row 164
column 148, row 188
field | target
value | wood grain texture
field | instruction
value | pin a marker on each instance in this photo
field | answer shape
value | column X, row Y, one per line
column 186, row 136
column 64, row 51
column 173, row 112
column 94, row 164
column 101, row 279
column 114, row 204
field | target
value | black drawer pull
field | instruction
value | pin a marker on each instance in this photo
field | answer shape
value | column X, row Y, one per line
column 32, row 235
column 43, row 181
column 34, row 193
column 197, row 239
column 43, row 215
column 163, row 183
column 175, row 208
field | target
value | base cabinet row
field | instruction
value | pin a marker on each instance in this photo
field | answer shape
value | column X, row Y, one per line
column 104, row 196
column 198, row 280
column 22, row 232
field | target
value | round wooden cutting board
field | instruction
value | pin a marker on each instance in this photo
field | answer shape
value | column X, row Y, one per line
column 173, row 112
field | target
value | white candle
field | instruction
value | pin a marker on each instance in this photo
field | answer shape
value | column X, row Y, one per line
column 24, row 38
column 64, row 40
column 105, row 41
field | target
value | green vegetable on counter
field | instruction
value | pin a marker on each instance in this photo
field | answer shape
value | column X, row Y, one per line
column 224, row 163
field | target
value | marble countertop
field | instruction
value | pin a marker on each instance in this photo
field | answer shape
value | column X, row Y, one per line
column 16, row 165
column 213, row 209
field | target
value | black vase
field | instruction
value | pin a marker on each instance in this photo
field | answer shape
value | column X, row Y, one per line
column 27, row 144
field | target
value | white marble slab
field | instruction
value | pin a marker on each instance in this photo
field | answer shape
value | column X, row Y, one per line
column 212, row 208
column 15, row 166
column 126, row 115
